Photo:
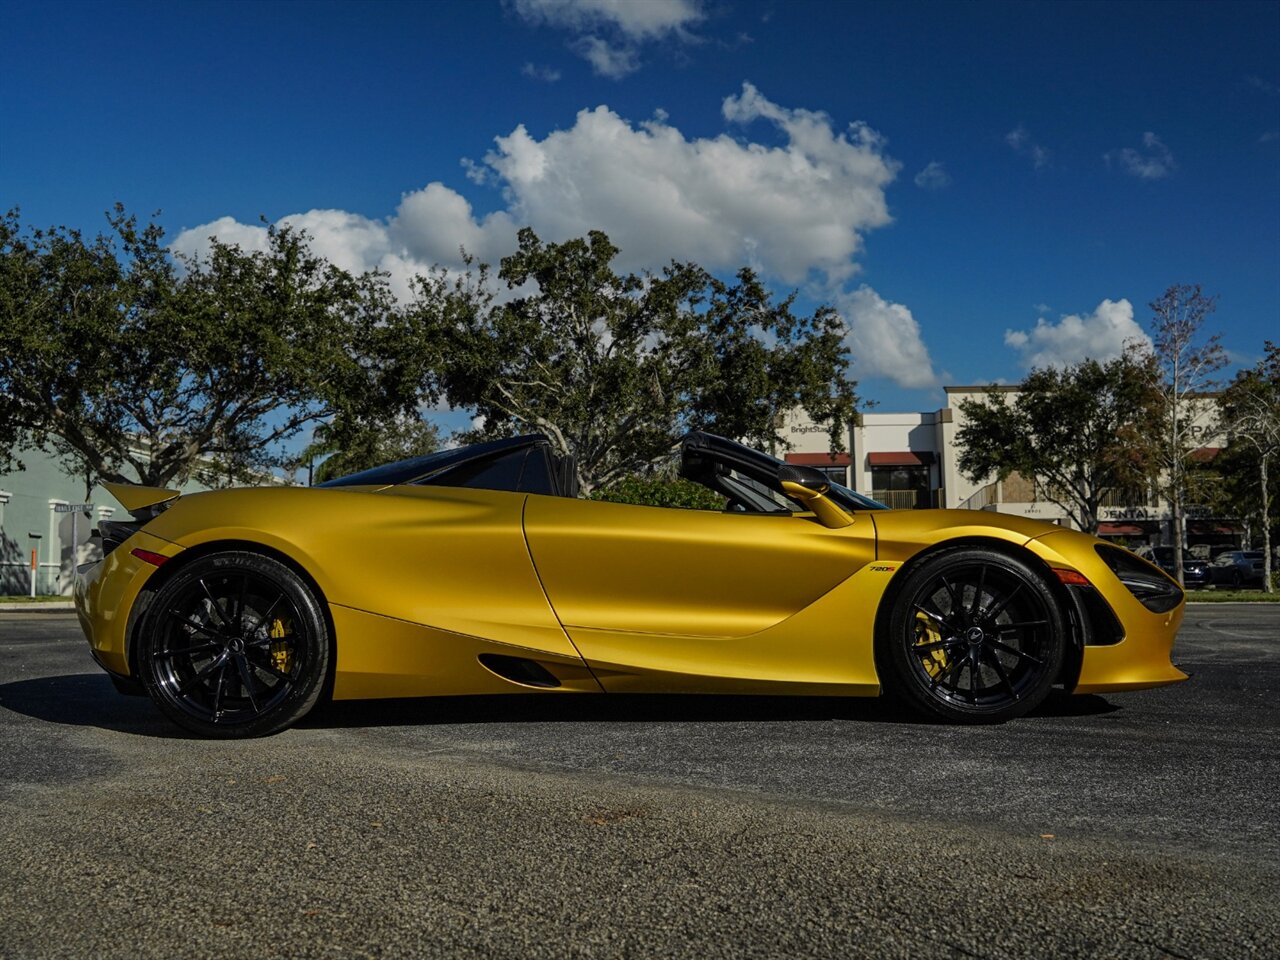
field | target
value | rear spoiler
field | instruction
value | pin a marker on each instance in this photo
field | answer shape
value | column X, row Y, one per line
column 144, row 503
column 136, row 499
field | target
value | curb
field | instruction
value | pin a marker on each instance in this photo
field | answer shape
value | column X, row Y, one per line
column 1233, row 603
column 48, row 607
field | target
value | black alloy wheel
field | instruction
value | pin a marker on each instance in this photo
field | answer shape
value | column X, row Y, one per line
column 976, row 636
column 234, row 645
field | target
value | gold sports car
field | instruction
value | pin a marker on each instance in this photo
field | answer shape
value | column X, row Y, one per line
column 477, row 570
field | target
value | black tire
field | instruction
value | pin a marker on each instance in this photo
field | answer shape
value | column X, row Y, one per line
column 975, row 636
column 1236, row 581
column 234, row 645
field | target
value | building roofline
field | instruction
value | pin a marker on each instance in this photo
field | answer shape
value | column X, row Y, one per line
column 1017, row 388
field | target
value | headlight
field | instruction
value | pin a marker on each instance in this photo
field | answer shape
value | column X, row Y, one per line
column 1155, row 590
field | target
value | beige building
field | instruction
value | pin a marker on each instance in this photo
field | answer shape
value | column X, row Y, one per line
column 909, row 461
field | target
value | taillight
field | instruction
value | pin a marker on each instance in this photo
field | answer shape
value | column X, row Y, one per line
column 1072, row 578
column 146, row 556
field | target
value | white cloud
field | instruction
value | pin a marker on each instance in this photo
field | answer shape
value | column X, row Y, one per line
column 791, row 209
column 1266, row 86
column 609, row 33
column 636, row 19
column 933, row 177
column 1020, row 140
column 431, row 224
column 884, row 339
column 1100, row 335
column 536, row 72
column 347, row 240
column 195, row 242
column 797, row 211
column 614, row 61
column 1153, row 162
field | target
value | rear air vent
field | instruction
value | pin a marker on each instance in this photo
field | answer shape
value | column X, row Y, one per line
column 528, row 673
column 116, row 532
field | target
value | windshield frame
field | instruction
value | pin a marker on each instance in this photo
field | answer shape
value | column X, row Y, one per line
column 711, row 460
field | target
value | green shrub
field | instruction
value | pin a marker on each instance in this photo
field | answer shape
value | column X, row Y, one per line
column 661, row 492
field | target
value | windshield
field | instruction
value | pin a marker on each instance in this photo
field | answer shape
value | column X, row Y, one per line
column 852, row 499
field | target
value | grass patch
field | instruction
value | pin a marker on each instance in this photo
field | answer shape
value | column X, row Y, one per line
column 1231, row 596
column 38, row 598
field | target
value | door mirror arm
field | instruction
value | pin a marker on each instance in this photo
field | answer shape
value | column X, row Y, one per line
column 809, row 487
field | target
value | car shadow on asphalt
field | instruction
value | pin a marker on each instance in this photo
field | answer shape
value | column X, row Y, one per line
column 651, row 708
column 90, row 700
column 86, row 700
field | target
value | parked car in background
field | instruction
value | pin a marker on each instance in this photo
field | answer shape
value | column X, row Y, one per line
column 1237, row 568
column 1195, row 571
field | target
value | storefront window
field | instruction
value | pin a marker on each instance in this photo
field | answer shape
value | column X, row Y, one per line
column 903, row 487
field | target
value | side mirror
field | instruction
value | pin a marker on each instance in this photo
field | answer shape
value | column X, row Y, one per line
column 810, row 487
column 814, row 481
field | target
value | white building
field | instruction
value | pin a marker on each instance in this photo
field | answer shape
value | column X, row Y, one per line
column 46, row 518
column 909, row 461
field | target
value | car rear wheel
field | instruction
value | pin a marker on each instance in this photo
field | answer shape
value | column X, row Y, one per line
column 975, row 636
column 234, row 645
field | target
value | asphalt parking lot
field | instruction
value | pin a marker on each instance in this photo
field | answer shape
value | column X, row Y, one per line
column 1139, row 825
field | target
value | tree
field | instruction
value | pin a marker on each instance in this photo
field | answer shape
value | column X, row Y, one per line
column 348, row 448
column 135, row 366
column 1250, row 409
column 1184, row 362
column 614, row 368
column 1075, row 431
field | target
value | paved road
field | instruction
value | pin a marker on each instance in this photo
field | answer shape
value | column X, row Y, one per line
column 1143, row 825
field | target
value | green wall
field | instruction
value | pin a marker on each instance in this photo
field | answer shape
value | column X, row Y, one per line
column 28, row 510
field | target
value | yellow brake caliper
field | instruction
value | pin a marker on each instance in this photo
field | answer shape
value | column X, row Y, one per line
column 281, row 649
column 935, row 660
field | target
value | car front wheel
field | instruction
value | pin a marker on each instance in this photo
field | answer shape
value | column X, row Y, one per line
column 234, row 645
column 975, row 636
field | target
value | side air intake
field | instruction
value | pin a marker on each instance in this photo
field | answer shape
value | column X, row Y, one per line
column 527, row 673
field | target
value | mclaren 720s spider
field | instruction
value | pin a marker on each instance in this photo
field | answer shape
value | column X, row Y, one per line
column 478, row 570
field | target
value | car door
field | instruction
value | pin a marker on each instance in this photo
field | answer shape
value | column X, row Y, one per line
column 452, row 559
column 689, row 593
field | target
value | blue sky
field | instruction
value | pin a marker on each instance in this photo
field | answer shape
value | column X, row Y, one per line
column 977, row 187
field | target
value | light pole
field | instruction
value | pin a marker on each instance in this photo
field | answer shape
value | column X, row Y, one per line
column 35, row 558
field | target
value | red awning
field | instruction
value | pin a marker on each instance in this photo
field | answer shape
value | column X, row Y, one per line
column 902, row 458
column 1205, row 527
column 1120, row 530
column 1205, row 454
column 818, row 459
